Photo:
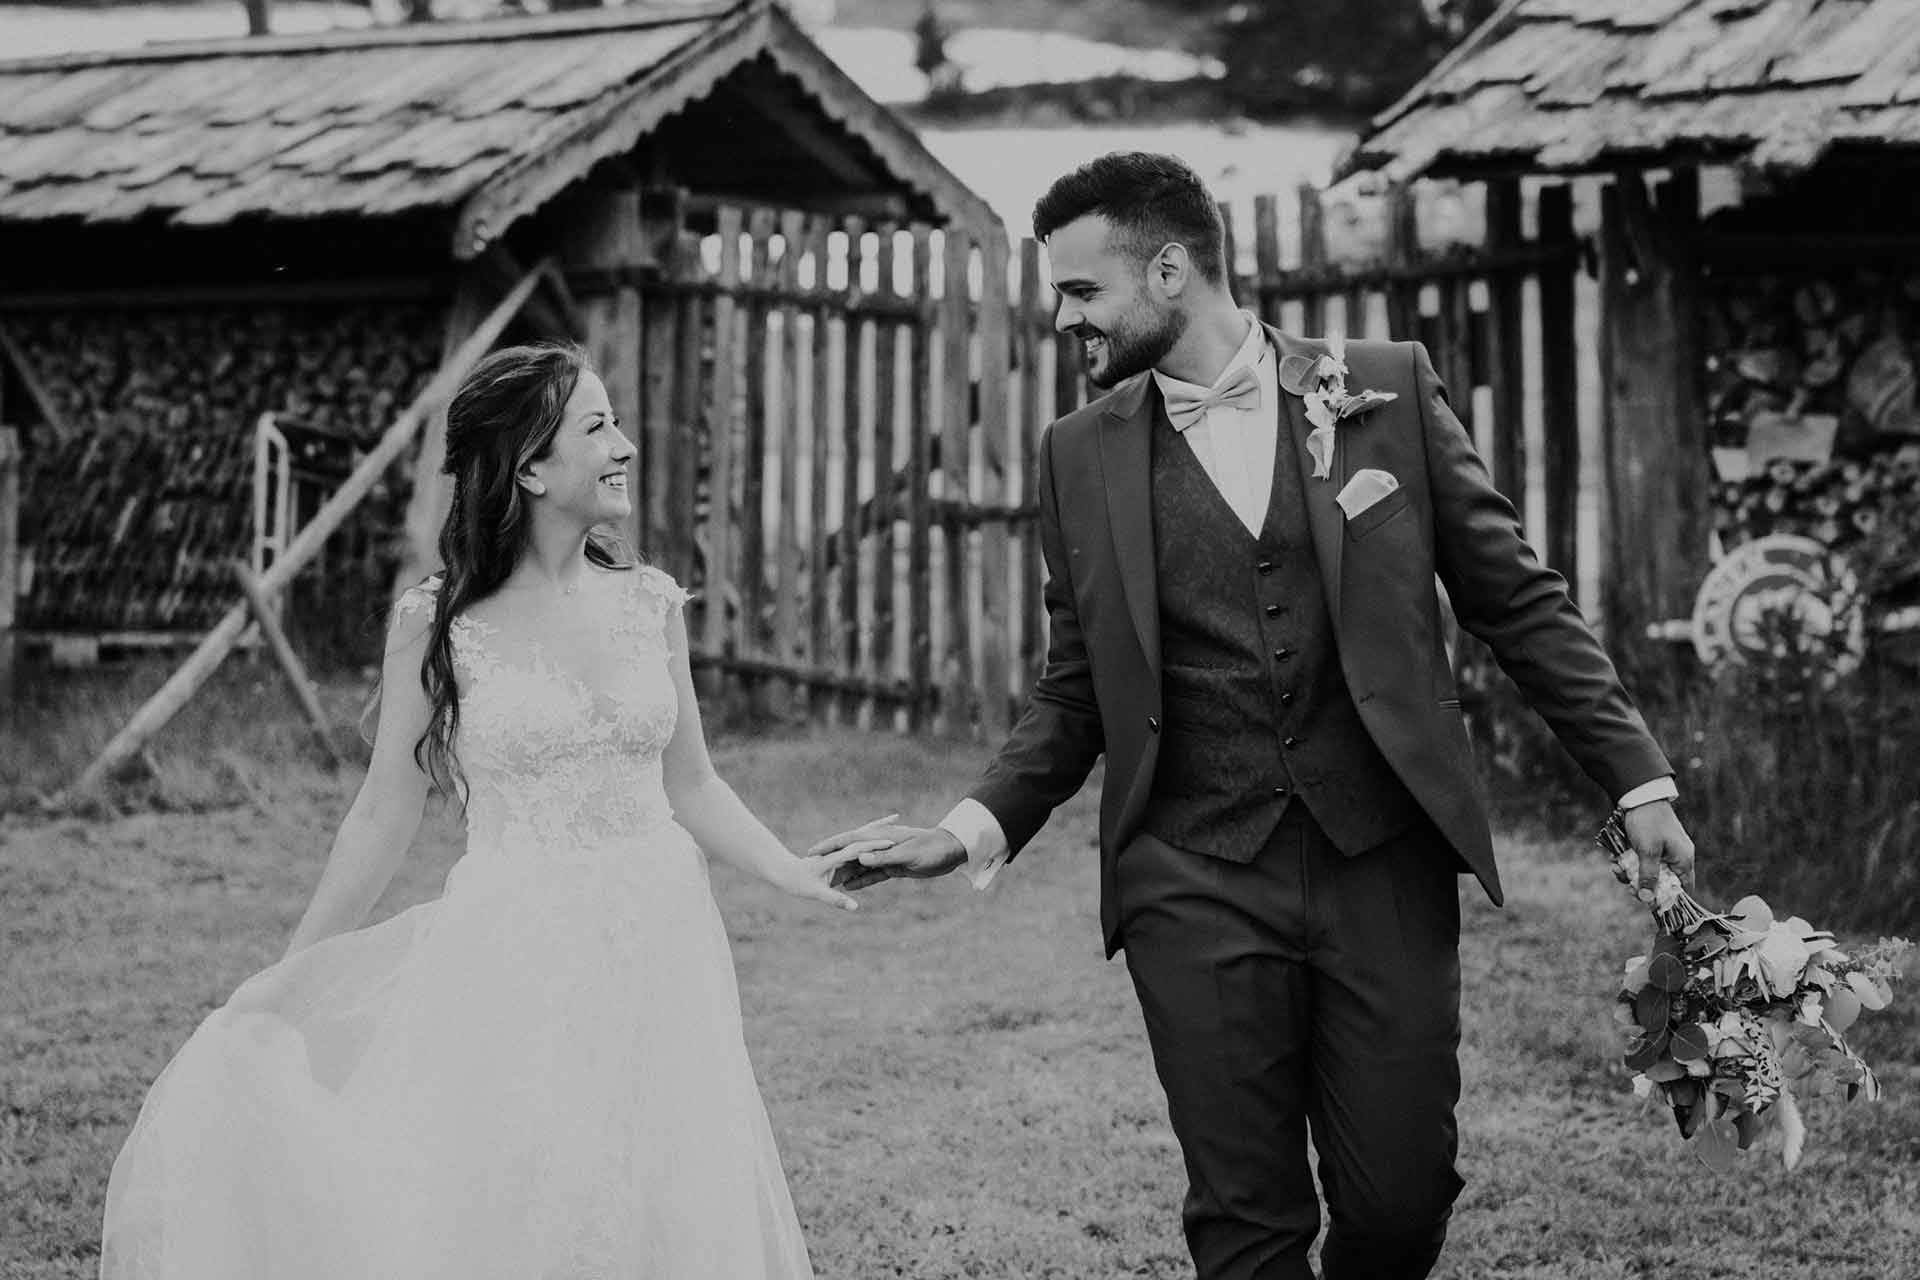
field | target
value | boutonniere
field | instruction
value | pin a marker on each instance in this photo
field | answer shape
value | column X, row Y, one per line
column 1322, row 384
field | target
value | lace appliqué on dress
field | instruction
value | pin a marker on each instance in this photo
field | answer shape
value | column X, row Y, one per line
column 552, row 762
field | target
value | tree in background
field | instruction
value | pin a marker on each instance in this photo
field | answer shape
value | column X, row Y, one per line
column 1345, row 55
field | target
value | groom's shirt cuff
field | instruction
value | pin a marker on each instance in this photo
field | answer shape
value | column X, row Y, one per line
column 1648, row 792
column 980, row 834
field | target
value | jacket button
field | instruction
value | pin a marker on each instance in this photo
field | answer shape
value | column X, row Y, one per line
column 1286, row 699
column 1291, row 743
column 1280, row 791
column 1282, row 655
column 1273, row 611
column 1153, row 724
column 1265, row 567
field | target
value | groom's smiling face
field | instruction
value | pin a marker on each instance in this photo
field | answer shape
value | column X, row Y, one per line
column 1108, row 302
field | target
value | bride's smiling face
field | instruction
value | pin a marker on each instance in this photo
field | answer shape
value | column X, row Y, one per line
column 583, row 472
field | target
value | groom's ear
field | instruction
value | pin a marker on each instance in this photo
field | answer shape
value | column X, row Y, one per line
column 1171, row 270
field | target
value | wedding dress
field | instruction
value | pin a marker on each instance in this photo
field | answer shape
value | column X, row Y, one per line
column 538, row 1076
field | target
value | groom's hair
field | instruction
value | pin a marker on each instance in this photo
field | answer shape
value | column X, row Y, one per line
column 1150, row 200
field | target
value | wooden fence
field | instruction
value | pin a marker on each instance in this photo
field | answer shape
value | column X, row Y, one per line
column 839, row 422
column 1500, row 319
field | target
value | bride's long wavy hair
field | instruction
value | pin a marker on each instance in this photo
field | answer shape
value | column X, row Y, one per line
column 503, row 417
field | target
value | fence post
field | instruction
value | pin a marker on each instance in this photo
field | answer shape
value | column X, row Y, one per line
column 1656, row 459
column 1313, row 264
column 1507, row 362
column 959, row 692
column 720, row 583
column 1035, row 334
column 605, row 236
column 1266, row 260
column 1560, row 385
column 9, row 551
column 853, row 402
column 888, row 504
column 922, row 397
column 996, row 614
column 1403, row 247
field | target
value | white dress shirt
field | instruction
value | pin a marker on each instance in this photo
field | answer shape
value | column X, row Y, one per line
column 1236, row 447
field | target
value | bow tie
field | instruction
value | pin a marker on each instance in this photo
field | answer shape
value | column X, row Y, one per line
column 1241, row 391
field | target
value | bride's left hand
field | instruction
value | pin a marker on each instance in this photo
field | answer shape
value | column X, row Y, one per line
column 812, row 877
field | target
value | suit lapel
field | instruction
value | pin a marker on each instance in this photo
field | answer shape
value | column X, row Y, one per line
column 1126, row 471
column 1318, row 496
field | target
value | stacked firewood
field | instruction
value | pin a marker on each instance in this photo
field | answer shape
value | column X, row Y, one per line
column 1813, row 392
column 133, row 513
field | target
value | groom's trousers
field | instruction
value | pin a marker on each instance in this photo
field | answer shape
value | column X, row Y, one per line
column 1305, row 995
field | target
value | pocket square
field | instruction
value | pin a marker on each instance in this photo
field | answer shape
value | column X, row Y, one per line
column 1367, row 487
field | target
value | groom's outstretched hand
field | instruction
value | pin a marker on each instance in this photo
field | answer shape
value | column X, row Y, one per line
column 1655, row 833
column 914, row 853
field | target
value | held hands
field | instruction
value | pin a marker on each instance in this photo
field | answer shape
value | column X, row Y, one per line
column 1656, row 835
column 817, row 879
column 883, row 850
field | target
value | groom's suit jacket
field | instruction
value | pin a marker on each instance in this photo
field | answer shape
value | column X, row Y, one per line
column 1101, row 691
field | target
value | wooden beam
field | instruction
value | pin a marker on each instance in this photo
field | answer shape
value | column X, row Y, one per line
column 552, row 309
column 9, row 552
column 36, row 390
column 603, row 231
column 432, row 491
column 368, row 289
column 1560, row 388
column 878, row 206
column 1656, row 461
column 265, row 618
column 181, row 686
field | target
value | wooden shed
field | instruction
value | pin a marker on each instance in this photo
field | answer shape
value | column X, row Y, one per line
column 193, row 236
column 1758, row 358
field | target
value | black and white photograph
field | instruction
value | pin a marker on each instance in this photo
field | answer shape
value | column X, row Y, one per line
column 959, row 639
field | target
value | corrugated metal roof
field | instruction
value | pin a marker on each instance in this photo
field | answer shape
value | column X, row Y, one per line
column 1569, row 85
column 490, row 117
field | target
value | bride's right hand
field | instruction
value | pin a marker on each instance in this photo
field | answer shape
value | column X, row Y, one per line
column 812, row 877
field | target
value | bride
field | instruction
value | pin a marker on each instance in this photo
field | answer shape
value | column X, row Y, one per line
column 540, row 1075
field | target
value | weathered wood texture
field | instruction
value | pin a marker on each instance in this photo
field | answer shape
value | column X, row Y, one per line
column 1588, row 85
column 136, row 491
column 266, row 617
column 180, row 687
column 1659, row 486
column 867, row 543
column 477, row 125
column 9, row 552
column 864, row 548
column 1472, row 308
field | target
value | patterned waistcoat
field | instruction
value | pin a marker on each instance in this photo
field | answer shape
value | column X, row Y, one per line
column 1256, row 709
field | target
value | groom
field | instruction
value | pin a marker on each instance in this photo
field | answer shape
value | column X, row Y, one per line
column 1243, row 620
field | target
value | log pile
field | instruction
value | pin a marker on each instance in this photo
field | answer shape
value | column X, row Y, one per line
column 1814, row 404
column 133, row 518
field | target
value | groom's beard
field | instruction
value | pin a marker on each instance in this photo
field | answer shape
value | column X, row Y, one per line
column 1142, row 339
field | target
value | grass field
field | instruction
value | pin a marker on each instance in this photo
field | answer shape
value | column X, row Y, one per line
column 960, row 1084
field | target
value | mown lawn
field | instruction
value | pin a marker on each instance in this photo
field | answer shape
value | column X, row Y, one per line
column 960, row 1084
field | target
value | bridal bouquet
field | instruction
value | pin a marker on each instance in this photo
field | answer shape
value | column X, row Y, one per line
column 1731, row 1015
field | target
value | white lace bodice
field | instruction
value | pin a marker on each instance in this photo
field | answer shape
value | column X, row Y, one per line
column 554, row 764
